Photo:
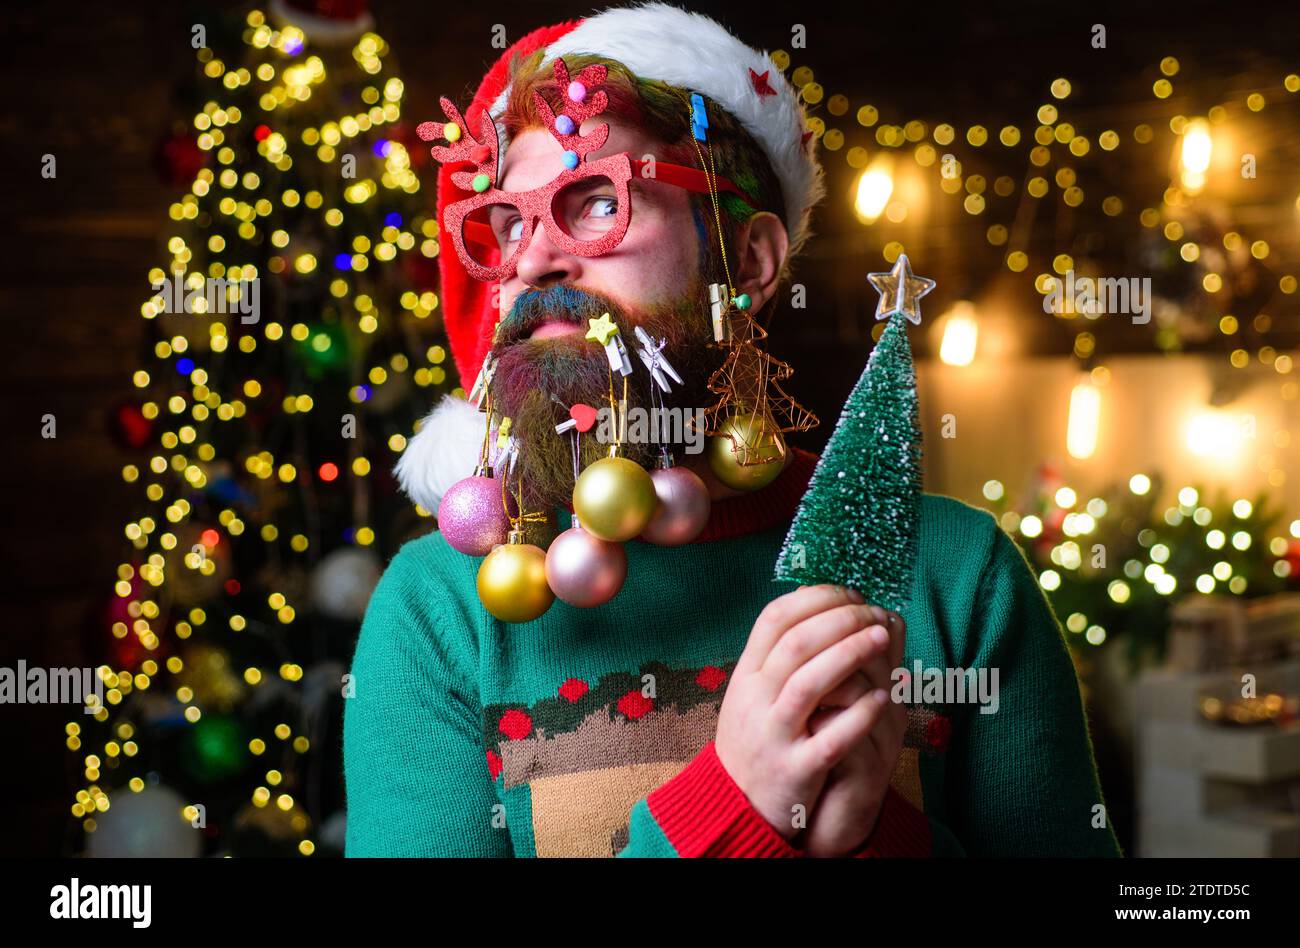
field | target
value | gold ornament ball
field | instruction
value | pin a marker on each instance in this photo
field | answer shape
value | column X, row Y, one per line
column 512, row 582
column 614, row 499
column 751, row 431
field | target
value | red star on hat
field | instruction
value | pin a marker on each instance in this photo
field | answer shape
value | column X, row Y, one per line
column 759, row 83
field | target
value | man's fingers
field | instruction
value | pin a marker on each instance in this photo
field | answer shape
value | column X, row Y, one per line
column 897, row 638
column 845, row 693
column 877, row 670
column 785, row 611
column 807, row 638
column 846, row 728
column 821, row 717
column 889, row 732
column 803, row 692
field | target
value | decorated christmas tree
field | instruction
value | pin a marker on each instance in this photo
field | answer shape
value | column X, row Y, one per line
column 857, row 524
column 288, row 334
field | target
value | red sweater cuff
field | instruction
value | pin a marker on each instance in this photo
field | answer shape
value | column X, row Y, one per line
column 901, row 831
column 705, row 814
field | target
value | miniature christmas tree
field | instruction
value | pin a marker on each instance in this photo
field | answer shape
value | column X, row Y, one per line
column 857, row 524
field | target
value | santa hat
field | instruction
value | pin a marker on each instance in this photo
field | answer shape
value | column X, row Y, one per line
column 655, row 41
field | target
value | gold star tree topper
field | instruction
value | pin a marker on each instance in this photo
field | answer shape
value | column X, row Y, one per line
column 900, row 291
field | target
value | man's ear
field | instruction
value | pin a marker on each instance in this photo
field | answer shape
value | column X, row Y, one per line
column 760, row 246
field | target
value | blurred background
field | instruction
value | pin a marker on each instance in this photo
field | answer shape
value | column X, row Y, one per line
column 182, row 511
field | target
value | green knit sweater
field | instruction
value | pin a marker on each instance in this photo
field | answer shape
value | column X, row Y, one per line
column 590, row 731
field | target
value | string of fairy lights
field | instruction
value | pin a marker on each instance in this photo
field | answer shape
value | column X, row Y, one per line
column 221, row 197
column 1055, row 139
column 875, row 197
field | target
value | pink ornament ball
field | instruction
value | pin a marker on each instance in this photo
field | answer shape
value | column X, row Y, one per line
column 471, row 516
column 683, row 507
column 577, row 91
column 584, row 570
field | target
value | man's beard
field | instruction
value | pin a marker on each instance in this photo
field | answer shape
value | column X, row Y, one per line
column 537, row 380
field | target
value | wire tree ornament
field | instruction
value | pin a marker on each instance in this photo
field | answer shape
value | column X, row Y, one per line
column 749, row 382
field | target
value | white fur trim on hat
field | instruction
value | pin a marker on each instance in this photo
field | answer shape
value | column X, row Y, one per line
column 692, row 51
column 442, row 452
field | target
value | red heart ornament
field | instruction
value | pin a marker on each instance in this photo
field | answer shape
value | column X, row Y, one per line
column 583, row 415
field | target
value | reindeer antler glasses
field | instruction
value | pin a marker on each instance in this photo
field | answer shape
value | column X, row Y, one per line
column 585, row 210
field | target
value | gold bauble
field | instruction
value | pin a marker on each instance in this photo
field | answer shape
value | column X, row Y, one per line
column 512, row 582
column 614, row 498
column 757, row 442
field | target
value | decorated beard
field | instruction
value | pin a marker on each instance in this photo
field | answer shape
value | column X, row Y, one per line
column 537, row 380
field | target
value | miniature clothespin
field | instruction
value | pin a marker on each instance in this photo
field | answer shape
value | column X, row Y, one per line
column 604, row 331
column 507, row 448
column 719, row 304
column 581, row 417
column 699, row 119
column 652, row 354
column 485, row 373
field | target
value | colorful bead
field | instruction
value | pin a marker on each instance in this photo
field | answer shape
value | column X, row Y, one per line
column 577, row 91
column 742, row 301
column 481, row 183
column 451, row 132
column 570, row 159
column 564, row 125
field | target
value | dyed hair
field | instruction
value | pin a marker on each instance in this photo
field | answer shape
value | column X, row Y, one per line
column 662, row 112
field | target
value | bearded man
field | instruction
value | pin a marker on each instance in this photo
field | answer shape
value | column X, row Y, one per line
column 703, row 710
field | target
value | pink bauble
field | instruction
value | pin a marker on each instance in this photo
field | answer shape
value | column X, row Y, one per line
column 471, row 516
column 584, row 570
column 683, row 507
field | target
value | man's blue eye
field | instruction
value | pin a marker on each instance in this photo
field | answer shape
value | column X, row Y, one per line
column 603, row 207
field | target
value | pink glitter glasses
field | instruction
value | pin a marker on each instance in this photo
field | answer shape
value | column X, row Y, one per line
column 585, row 210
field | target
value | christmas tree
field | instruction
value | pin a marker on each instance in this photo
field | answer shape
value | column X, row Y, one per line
column 289, row 335
column 857, row 524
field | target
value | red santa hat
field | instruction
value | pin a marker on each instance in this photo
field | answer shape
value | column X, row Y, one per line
column 655, row 41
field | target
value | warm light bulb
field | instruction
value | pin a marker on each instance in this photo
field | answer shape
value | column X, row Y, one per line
column 1196, row 151
column 875, row 186
column 1085, row 412
column 959, row 335
column 1213, row 434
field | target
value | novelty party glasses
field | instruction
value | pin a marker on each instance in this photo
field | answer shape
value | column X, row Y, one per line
column 585, row 210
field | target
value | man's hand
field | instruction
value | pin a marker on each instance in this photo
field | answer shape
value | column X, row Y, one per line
column 850, row 803
column 804, row 646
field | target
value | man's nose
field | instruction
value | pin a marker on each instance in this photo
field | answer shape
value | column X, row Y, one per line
column 543, row 264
